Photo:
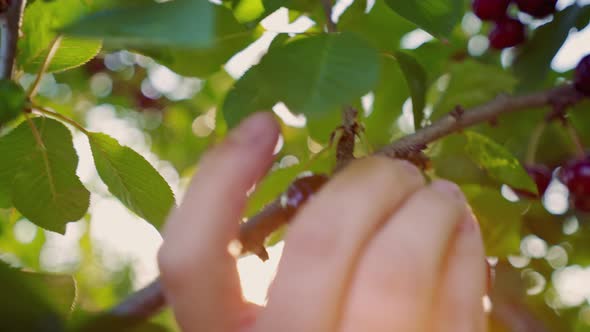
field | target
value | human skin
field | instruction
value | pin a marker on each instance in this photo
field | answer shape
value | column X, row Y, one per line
column 376, row 249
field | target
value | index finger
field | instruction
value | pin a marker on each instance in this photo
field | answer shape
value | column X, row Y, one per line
column 199, row 275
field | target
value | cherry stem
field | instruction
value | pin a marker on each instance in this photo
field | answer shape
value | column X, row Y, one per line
column 576, row 140
column 46, row 62
column 64, row 118
column 330, row 24
column 534, row 143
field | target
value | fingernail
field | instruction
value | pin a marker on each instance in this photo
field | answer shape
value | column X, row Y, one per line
column 252, row 128
column 411, row 168
column 447, row 187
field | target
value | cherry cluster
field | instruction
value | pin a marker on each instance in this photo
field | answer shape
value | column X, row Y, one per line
column 509, row 31
column 575, row 174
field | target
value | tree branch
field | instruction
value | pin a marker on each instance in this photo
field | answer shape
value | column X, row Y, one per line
column 149, row 300
column 330, row 25
column 456, row 121
column 10, row 21
column 345, row 146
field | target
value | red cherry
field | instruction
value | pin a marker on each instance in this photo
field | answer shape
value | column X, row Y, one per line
column 507, row 33
column 301, row 189
column 94, row 66
column 537, row 8
column 490, row 10
column 541, row 175
column 576, row 177
column 580, row 203
column 144, row 102
column 582, row 76
column 4, row 5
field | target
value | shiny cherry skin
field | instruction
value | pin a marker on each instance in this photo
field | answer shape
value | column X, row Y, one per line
column 541, row 175
column 576, row 177
column 302, row 189
column 582, row 76
column 507, row 33
column 490, row 10
column 580, row 203
column 537, row 8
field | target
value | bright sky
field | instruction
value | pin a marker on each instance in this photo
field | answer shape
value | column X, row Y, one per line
column 124, row 237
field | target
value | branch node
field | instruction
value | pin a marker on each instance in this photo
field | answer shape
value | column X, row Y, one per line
column 457, row 112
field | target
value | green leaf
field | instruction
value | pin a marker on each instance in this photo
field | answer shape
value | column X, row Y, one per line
column 230, row 39
column 12, row 101
column 381, row 26
column 181, row 23
column 131, row 179
column 25, row 304
column 58, row 290
column 533, row 62
column 313, row 76
column 390, row 94
column 498, row 162
column 41, row 19
column 248, row 10
column 499, row 219
column 42, row 181
column 193, row 38
column 472, row 84
column 417, row 82
column 72, row 52
column 300, row 5
column 450, row 161
column 438, row 17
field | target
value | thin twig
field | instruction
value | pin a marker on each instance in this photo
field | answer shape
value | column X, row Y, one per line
column 64, row 118
column 46, row 62
column 10, row 21
column 330, row 24
column 452, row 122
column 531, row 155
column 253, row 232
column 346, row 141
column 576, row 140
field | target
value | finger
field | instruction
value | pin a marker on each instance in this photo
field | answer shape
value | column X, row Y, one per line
column 395, row 281
column 459, row 306
column 325, row 239
column 198, row 273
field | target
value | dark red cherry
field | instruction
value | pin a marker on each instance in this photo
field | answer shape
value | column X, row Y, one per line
column 582, row 76
column 490, row 10
column 4, row 4
column 580, row 203
column 576, row 177
column 94, row 66
column 301, row 189
column 541, row 175
column 144, row 102
column 507, row 33
column 537, row 8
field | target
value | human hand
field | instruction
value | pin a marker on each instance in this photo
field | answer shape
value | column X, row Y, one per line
column 376, row 249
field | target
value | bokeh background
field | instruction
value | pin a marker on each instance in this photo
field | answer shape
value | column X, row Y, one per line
column 171, row 120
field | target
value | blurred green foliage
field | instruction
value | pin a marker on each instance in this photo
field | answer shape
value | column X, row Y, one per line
column 167, row 80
